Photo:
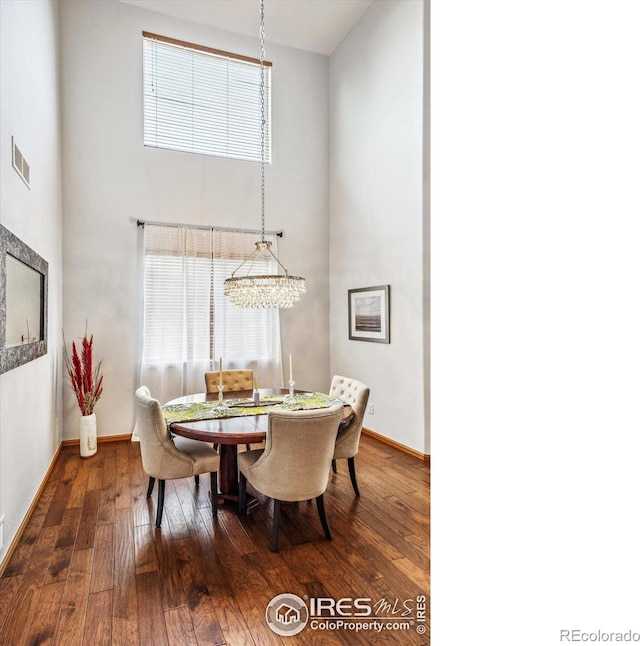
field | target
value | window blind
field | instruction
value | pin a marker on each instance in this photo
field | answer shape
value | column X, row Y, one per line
column 204, row 101
column 187, row 318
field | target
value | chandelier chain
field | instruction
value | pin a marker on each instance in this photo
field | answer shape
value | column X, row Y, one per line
column 262, row 116
column 269, row 290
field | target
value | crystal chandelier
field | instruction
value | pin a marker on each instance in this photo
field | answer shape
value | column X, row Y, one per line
column 277, row 290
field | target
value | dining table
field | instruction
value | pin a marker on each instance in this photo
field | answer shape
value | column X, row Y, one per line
column 242, row 422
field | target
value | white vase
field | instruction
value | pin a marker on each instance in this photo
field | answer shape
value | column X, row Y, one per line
column 88, row 435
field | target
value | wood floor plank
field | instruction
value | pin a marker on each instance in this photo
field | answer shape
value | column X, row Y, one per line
column 125, row 608
column 47, row 615
column 122, row 457
column 95, row 477
column 205, row 621
column 25, row 600
column 171, row 589
column 20, row 614
column 253, row 609
column 107, row 510
column 70, row 467
column 216, row 576
column 58, row 505
column 9, row 586
column 174, row 517
column 234, row 628
column 306, row 564
column 88, row 520
column 42, row 506
column 103, row 559
column 145, row 549
column 180, row 630
column 74, row 603
column 417, row 574
column 97, row 629
column 401, row 585
column 143, row 507
column 65, row 545
column 24, row 552
column 239, row 538
column 77, row 488
column 123, row 490
column 151, row 622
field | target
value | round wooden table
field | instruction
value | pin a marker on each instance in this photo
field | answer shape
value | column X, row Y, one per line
column 229, row 432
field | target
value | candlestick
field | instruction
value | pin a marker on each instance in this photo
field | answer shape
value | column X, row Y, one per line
column 290, row 399
column 221, row 405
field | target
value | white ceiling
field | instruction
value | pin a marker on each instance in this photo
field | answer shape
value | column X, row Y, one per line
column 313, row 25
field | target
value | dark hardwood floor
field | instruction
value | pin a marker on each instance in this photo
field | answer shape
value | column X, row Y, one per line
column 91, row 568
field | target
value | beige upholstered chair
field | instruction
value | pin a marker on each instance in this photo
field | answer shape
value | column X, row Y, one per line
column 231, row 379
column 356, row 394
column 295, row 462
column 167, row 458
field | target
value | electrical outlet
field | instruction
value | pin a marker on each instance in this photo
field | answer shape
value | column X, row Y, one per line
column 370, row 409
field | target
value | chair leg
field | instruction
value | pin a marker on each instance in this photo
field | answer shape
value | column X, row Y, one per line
column 248, row 447
column 197, row 479
column 242, row 494
column 352, row 472
column 214, row 492
column 323, row 517
column 276, row 523
column 152, row 482
column 160, row 502
column 333, row 466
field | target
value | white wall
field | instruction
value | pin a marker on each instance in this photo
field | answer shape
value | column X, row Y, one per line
column 377, row 123
column 30, row 396
column 110, row 180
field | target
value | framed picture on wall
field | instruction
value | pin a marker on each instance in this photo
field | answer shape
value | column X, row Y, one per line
column 369, row 314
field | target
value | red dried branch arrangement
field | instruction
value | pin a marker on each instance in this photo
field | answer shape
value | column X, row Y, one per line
column 85, row 380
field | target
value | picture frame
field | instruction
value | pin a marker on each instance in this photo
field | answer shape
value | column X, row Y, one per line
column 24, row 287
column 369, row 314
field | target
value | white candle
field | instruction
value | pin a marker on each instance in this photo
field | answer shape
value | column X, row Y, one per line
column 290, row 369
column 220, row 372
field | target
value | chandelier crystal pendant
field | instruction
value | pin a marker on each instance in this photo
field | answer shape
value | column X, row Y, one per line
column 276, row 290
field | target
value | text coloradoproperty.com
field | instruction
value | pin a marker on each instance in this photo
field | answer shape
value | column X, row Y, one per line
column 599, row 636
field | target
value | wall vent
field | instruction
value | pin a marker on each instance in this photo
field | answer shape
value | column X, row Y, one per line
column 20, row 163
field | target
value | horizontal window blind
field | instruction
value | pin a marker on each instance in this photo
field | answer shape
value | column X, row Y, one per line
column 187, row 317
column 204, row 101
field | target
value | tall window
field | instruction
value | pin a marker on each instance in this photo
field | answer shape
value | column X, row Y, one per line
column 189, row 323
column 202, row 100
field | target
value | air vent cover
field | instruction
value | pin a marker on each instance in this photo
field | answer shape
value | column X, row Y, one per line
column 20, row 163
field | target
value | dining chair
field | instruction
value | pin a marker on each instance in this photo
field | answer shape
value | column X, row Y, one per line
column 356, row 394
column 231, row 379
column 168, row 458
column 295, row 462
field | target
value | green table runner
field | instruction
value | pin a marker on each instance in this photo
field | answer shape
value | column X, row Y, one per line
column 207, row 410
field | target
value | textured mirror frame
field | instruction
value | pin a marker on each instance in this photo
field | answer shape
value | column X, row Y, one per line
column 18, row 355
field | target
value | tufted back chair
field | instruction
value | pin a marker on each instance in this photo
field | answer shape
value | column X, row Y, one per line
column 231, row 379
column 295, row 462
column 356, row 394
column 166, row 458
